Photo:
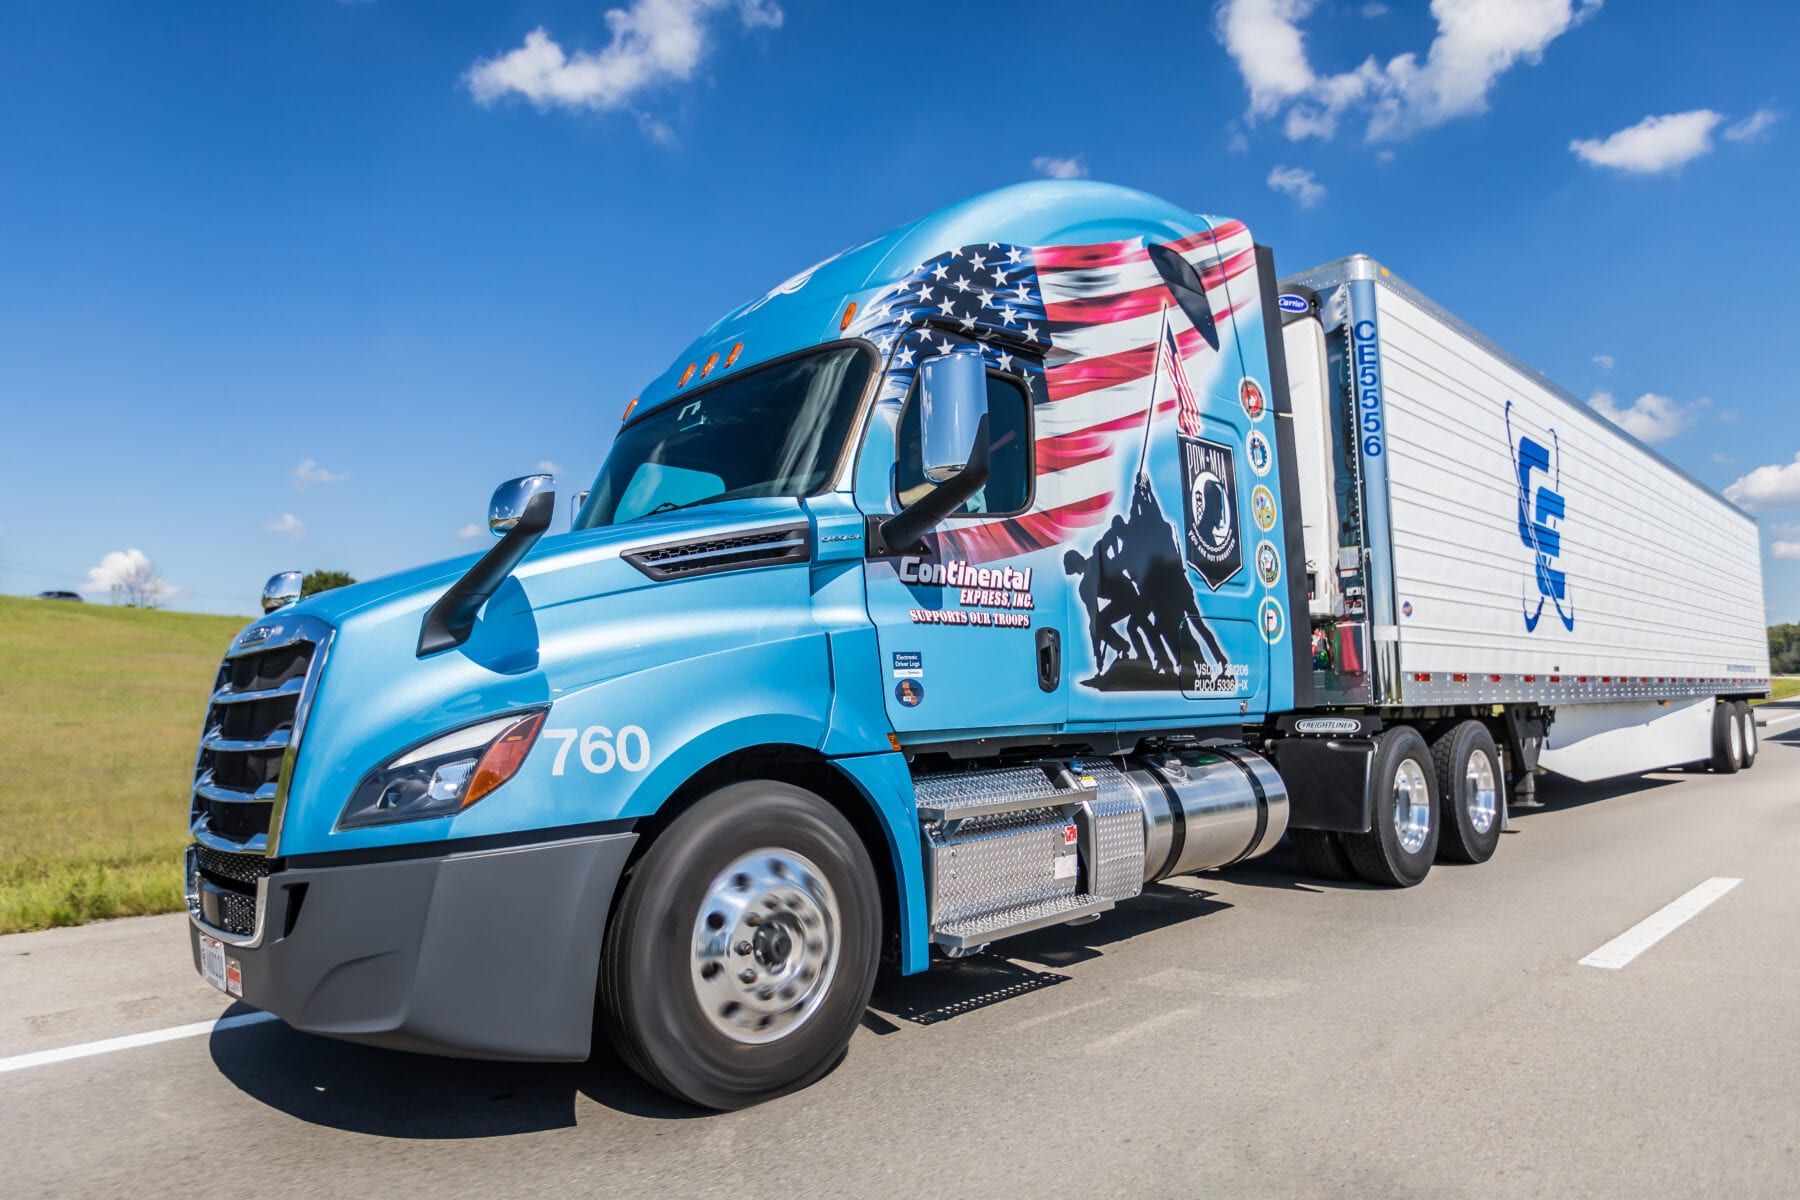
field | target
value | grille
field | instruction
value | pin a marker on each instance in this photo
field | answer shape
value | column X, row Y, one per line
column 763, row 548
column 251, row 730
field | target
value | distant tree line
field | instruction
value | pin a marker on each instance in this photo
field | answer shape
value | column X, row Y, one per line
column 324, row 581
column 1784, row 649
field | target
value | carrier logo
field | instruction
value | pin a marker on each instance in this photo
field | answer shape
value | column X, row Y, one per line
column 1288, row 302
column 1538, row 470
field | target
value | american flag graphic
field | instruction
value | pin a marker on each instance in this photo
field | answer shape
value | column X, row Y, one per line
column 1086, row 329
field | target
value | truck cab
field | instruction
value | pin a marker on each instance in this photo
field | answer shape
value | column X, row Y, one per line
column 921, row 601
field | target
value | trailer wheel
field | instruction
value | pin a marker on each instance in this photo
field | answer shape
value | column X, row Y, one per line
column 1727, row 735
column 1470, row 786
column 744, row 947
column 1322, row 854
column 1747, row 720
column 1403, row 836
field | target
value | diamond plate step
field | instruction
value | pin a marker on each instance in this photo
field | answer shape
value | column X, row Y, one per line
column 974, row 932
column 967, row 808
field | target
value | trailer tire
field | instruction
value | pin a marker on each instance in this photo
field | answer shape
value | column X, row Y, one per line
column 1403, row 834
column 744, row 947
column 1470, row 793
column 1321, row 854
column 1725, row 731
column 1747, row 718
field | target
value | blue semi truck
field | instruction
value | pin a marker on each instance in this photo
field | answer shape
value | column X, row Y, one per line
column 964, row 584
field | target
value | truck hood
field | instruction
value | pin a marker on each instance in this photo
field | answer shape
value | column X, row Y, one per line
column 545, row 572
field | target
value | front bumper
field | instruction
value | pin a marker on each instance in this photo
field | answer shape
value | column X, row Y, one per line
column 476, row 954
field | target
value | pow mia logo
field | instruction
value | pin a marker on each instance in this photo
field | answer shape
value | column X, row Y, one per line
column 1212, row 543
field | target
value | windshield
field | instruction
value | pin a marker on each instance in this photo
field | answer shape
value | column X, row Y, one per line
column 775, row 430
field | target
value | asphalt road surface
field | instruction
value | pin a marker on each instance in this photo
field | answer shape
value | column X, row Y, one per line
column 1242, row 1033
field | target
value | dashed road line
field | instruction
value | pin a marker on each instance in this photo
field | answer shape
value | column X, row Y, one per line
column 43, row 1058
column 1658, row 925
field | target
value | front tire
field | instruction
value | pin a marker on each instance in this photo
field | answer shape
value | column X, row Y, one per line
column 1403, row 833
column 1470, row 799
column 744, row 947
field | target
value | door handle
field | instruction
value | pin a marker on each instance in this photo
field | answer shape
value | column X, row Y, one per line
column 1049, row 659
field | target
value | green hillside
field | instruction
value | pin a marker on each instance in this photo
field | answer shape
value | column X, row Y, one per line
column 100, row 708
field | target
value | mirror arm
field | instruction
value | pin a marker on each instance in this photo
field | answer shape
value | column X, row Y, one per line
column 451, row 619
column 902, row 532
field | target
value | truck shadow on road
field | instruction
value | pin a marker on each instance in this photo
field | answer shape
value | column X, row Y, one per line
column 387, row 1093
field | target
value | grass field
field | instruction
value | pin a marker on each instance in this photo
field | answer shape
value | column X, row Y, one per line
column 100, row 709
column 1784, row 689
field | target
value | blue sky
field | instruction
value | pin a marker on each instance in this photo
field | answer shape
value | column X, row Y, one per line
column 294, row 285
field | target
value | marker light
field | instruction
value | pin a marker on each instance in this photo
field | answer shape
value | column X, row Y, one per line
column 626, row 415
column 711, row 362
column 732, row 357
column 445, row 775
column 687, row 375
column 849, row 315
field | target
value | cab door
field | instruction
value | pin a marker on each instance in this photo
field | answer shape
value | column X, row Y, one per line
column 969, row 623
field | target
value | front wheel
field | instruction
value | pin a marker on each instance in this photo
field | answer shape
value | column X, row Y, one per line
column 744, row 948
column 1403, row 830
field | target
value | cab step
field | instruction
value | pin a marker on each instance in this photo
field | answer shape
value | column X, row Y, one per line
column 972, row 933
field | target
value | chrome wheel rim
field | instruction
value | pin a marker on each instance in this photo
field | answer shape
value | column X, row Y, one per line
column 765, row 946
column 1412, row 806
column 1750, row 732
column 1737, row 739
column 1480, row 796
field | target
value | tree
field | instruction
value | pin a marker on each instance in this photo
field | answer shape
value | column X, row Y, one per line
column 139, row 585
column 324, row 581
column 1784, row 649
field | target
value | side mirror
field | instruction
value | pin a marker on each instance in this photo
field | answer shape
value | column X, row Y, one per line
column 952, row 405
column 282, row 590
column 953, row 447
column 575, row 509
column 510, row 499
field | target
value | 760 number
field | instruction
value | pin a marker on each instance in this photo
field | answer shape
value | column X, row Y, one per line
column 600, row 750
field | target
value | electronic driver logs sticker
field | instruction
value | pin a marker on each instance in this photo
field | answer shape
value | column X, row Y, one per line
column 909, row 664
column 1250, row 394
column 1262, row 507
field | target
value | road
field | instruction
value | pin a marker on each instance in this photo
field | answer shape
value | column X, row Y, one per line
column 1242, row 1033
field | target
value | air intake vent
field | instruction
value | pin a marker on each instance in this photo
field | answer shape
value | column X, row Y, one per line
column 738, row 552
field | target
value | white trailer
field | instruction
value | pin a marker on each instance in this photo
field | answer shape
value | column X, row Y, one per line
column 1476, row 536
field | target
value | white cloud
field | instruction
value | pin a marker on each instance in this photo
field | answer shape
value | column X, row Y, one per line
column 310, row 472
column 1752, row 126
column 1649, row 418
column 1477, row 42
column 653, row 42
column 125, row 570
column 1059, row 168
column 1238, row 143
column 471, row 530
column 1384, row 157
column 546, row 467
column 1768, row 487
column 1604, row 361
column 1654, row 144
column 1299, row 184
column 1785, row 549
column 1374, row 9
column 1720, row 458
column 289, row 524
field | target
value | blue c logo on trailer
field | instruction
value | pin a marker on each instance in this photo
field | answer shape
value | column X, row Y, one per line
column 1288, row 302
column 1542, row 509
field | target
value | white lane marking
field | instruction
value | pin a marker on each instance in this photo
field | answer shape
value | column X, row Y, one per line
column 43, row 1058
column 1776, row 720
column 1658, row 925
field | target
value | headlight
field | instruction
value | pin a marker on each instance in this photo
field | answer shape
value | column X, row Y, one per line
column 446, row 774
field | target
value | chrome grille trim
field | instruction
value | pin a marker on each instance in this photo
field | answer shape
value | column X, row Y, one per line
column 284, row 632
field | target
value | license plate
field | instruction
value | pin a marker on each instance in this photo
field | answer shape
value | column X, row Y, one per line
column 218, row 970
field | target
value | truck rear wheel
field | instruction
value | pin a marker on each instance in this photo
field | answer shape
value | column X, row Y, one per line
column 1403, row 832
column 1469, row 793
column 1727, row 738
column 744, row 947
column 1746, row 717
column 1322, row 854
